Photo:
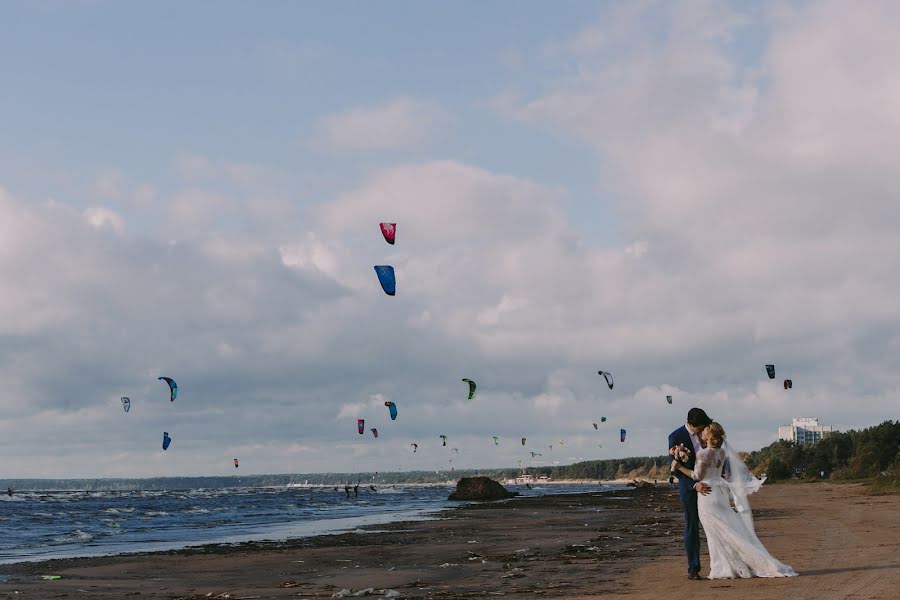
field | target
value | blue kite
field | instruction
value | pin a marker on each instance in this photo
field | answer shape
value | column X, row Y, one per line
column 173, row 387
column 386, row 278
column 393, row 409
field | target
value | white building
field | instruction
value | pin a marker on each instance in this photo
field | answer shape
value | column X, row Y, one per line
column 805, row 430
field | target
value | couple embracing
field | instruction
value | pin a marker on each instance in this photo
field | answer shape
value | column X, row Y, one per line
column 711, row 476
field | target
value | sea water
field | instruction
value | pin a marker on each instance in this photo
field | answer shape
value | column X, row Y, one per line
column 41, row 525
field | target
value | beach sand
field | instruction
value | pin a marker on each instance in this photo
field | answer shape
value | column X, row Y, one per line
column 605, row 545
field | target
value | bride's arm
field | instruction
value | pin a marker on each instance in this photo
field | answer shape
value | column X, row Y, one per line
column 699, row 467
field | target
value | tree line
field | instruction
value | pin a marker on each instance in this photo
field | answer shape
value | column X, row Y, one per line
column 873, row 452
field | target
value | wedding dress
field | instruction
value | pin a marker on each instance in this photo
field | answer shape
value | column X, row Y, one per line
column 734, row 549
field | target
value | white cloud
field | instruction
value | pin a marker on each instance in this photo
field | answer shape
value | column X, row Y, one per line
column 491, row 316
column 400, row 124
column 637, row 249
column 100, row 218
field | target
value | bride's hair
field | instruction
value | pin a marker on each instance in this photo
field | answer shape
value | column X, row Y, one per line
column 716, row 435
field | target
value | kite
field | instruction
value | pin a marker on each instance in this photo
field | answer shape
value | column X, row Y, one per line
column 608, row 377
column 603, row 419
column 126, row 403
column 389, row 231
column 496, row 441
column 770, row 370
column 788, row 384
column 669, row 399
column 533, row 454
column 361, row 426
column 173, row 387
column 235, row 463
column 472, row 387
column 166, row 440
column 374, row 432
column 595, row 426
column 523, row 441
column 621, row 435
column 444, row 439
column 386, row 278
column 393, row 409
column 456, row 450
column 415, row 447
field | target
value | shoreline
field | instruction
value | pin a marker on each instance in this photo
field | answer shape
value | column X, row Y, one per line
column 594, row 545
column 277, row 527
column 496, row 538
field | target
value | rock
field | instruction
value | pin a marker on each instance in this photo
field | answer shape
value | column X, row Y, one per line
column 480, row 488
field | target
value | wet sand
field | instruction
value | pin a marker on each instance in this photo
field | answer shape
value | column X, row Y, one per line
column 601, row 545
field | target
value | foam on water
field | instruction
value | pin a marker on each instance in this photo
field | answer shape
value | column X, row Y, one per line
column 73, row 524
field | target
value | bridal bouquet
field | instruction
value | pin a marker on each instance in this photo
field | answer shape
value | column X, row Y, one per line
column 680, row 453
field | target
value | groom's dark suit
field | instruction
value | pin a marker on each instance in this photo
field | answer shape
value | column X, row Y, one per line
column 688, row 500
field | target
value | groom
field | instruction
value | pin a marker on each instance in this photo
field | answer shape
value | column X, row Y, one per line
column 689, row 435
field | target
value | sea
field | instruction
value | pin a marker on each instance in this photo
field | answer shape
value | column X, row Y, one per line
column 43, row 525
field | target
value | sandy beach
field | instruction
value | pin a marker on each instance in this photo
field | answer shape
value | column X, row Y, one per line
column 599, row 545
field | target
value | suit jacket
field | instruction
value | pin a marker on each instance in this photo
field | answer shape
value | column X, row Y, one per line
column 683, row 436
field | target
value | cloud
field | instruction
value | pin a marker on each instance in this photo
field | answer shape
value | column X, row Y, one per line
column 400, row 124
column 103, row 217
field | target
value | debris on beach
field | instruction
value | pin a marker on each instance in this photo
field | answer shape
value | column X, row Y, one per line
column 349, row 593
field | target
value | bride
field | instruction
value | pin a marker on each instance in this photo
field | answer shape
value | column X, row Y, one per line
column 734, row 549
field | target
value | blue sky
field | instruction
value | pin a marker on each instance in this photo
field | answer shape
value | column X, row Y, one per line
column 194, row 190
column 127, row 85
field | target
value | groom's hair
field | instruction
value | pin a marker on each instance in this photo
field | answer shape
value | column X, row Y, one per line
column 698, row 418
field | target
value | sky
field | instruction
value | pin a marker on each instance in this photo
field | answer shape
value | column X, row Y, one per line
column 674, row 192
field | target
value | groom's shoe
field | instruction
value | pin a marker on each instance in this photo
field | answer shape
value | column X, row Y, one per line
column 694, row 575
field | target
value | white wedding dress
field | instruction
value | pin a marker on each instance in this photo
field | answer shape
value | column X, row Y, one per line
column 734, row 549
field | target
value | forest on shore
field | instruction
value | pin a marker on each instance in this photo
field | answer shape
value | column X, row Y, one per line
column 870, row 453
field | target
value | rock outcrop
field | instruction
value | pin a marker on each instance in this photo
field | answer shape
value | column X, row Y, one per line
column 480, row 488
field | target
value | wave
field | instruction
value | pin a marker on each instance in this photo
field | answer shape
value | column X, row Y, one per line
column 75, row 536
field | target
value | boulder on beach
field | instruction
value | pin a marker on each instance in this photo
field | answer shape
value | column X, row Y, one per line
column 480, row 488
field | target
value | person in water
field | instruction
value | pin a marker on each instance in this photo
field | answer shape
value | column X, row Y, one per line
column 356, row 490
column 347, row 489
column 9, row 492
